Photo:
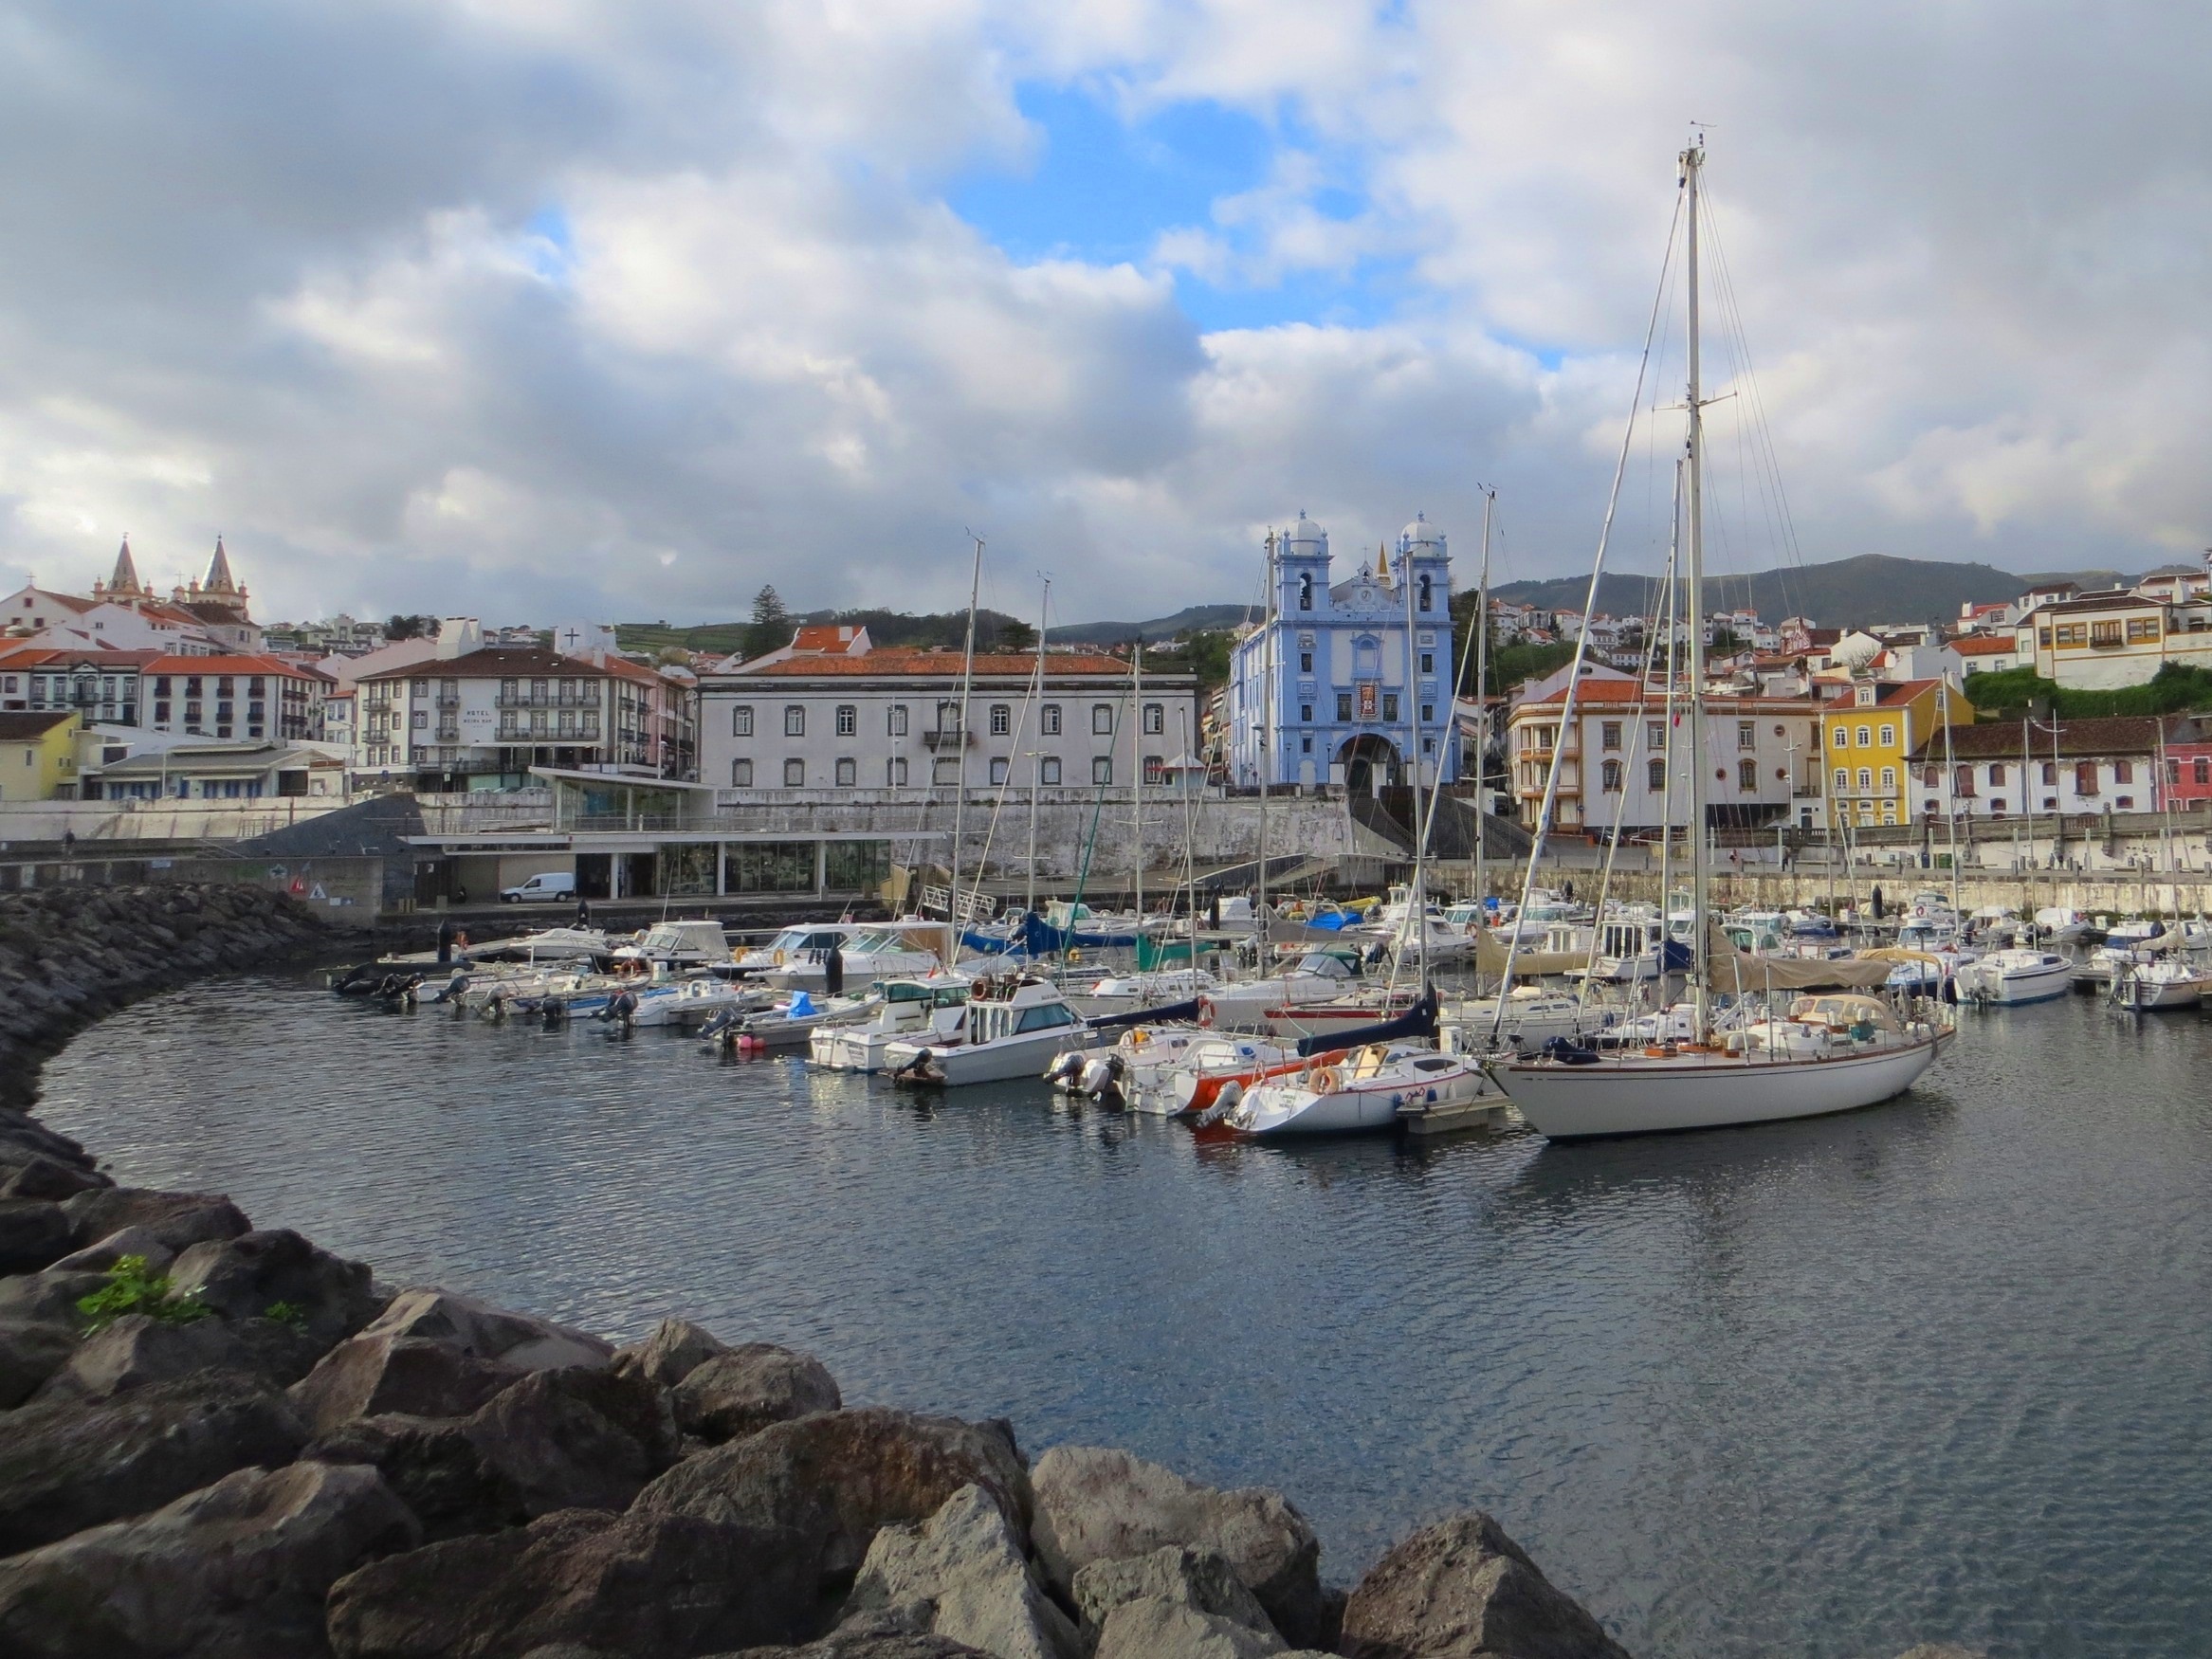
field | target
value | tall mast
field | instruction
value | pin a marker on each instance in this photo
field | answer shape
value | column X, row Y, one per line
column 959, row 810
column 1267, row 729
column 1482, row 707
column 1692, row 160
column 1136, row 773
column 1950, row 781
column 1037, row 763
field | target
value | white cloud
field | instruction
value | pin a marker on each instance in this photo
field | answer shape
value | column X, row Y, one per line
column 607, row 307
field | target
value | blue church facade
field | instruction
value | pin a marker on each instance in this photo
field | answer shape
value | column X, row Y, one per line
column 1331, row 690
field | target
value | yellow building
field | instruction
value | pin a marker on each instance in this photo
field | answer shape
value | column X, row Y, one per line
column 1871, row 733
column 38, row 757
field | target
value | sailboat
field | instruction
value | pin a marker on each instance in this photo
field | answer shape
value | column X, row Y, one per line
column 1828, row 1053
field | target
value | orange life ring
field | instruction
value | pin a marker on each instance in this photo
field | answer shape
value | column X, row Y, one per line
column 1327, row 1080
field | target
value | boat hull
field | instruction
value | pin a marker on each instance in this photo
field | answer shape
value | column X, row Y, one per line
column 1653, row 1097
column 1009, row 1060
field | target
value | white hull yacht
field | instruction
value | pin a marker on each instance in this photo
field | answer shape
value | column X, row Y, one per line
column 1365, row 1090
column 1010, row 1029
column 2011, row 978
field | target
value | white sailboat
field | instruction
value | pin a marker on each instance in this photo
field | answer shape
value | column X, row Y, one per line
column 1780, row 1069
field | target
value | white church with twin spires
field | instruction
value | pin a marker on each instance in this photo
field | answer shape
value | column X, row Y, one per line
column 1333, row 689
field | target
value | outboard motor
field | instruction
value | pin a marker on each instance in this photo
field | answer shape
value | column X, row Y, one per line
column 721, row 1021
column 1066, row 1068
column 358, row 981
column 621, row 1010
column 1102, row 1076
column 451, row 990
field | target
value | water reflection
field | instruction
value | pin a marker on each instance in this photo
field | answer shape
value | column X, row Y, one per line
column 1939, row 1369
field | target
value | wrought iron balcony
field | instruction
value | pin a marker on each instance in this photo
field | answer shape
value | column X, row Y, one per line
column 953, row 738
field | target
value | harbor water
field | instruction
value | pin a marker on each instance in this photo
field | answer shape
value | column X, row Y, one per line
column 1940, row 1370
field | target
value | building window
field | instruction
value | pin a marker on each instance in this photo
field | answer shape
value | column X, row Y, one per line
column 1306, row 745
column 948, row 718
column 1426, row 592
column 945, row 769
column 1304, row 661
column 1932, row 776
column 2141, row 629
column 848, row 719
column 1102, row 718
column 1889, row 736
column 1428, row 662
column 896, row 722
column 1001, row 719
column 795, row 720
column 1610, row 775
column 1049, row 723
column 2104, row 633
column 2085, row 777
column 1155, row 768
column 1305, row 591
column 2123, row 771
column 1866, row 737
column 1343, row 706
column 1889, row 778
column 742, row 721
column 1305, row 713
column 1866, row 781
column 1390, row 705
column 1155, row 718
column 2050, row 774
column 1655, row 734
column 741, row 774
column 2125, row 803
column 1657, row 772
column 1747, row 774
column 795, row 773
column 1962, row 781
column 2201, row 770
column 847, row 772
column 1049, row 769
column 1747, row 735
column 1102, row 769
column 1996, row 775
column 1842, row 780
column 1428, row 713
column 998, row 769
column 1609, row 735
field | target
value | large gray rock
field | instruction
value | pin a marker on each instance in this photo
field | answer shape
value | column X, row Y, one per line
column 179, row 1220
column 137, row 1351
column 30, row 1352
column 676, row 1348
column 627, row 1587
column 67, row 1464
column 41, row 1176
column 862, row 1643
column 965, row 1576
column 1153, row 1628
column 50, row 1296
column 484, row 1332
column 729, row 1395
column 239, row 1569
column 439, row 1472
column 837, row 1476
column 33, row 1235
column 576, row 1438
column 1200, row 1579
column 1464, row 1590
column 1096, row 1503
column 245, row 1277
column 103, row 1254
column 378, row 1374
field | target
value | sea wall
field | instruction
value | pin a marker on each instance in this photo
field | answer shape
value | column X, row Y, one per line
column 69, row 955
column 218, row 1438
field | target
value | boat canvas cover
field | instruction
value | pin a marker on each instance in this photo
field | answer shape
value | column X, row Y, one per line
column 1489, row 957
column 1172, row 1014
column 1417, row 1021
column 1735, row 972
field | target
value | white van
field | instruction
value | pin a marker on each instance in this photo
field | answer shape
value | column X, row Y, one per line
column 545, row 884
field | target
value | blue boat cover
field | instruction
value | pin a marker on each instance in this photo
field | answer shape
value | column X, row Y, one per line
column 1417, row 1021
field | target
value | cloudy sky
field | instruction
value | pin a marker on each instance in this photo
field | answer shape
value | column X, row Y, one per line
column 537, row 308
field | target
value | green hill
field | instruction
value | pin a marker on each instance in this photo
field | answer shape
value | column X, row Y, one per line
column 885, row 628
column 1191, row 618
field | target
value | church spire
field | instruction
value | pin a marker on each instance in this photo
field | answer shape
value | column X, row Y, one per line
column 219, row 579
column 125, row 579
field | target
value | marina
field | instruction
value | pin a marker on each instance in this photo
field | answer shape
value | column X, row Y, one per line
column 1744, row 1389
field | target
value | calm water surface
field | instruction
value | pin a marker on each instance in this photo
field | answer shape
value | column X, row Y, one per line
column 1940, row 1370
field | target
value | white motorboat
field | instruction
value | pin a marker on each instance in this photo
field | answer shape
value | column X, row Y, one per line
column 2132, row 930
column 1248, row 1005
column 1364, row 1090
column 810, row 941
column 1010, row 1027
column 879, row 950
column 679, row 944
column 685, row 1002
column 2162, row 984
column 1139, row 1059
column 1135, row 993
column 2059, row 926
column 912, row 1011
column 2015, row 976
column 1838, row 1053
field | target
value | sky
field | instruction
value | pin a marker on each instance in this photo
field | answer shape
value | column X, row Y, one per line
column 536, row 309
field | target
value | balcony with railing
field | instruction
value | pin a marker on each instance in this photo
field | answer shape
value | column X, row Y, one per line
column 948, row 738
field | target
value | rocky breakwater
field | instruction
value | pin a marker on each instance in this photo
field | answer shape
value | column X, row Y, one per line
column 71, row 955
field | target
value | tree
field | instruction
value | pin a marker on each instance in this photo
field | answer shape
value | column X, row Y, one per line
column 770, row 626
column 403, row 626
column 1016, row 635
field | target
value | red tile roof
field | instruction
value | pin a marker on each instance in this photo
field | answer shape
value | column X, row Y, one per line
column 1630, row 691
column 38, row 656
column 239, row 665
column 1983, row 644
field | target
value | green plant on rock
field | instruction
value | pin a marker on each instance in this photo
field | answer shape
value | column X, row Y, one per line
column 132, row 1286
column 286, row 1313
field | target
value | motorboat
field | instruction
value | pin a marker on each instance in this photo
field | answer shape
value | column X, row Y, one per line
column 2014, row 976
column 1248, row 1005
column 679, row 944
column 686, row 1002
column 1366, row 1089
column 1011, row 1025
column 1139, row 1060
column 2165, row 983
column 919, row 1011
column 793, row 1022
column 809, row 941
column 1135, row 993
column 1216, row 1069
column 881, row 950
column 2057, row 924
